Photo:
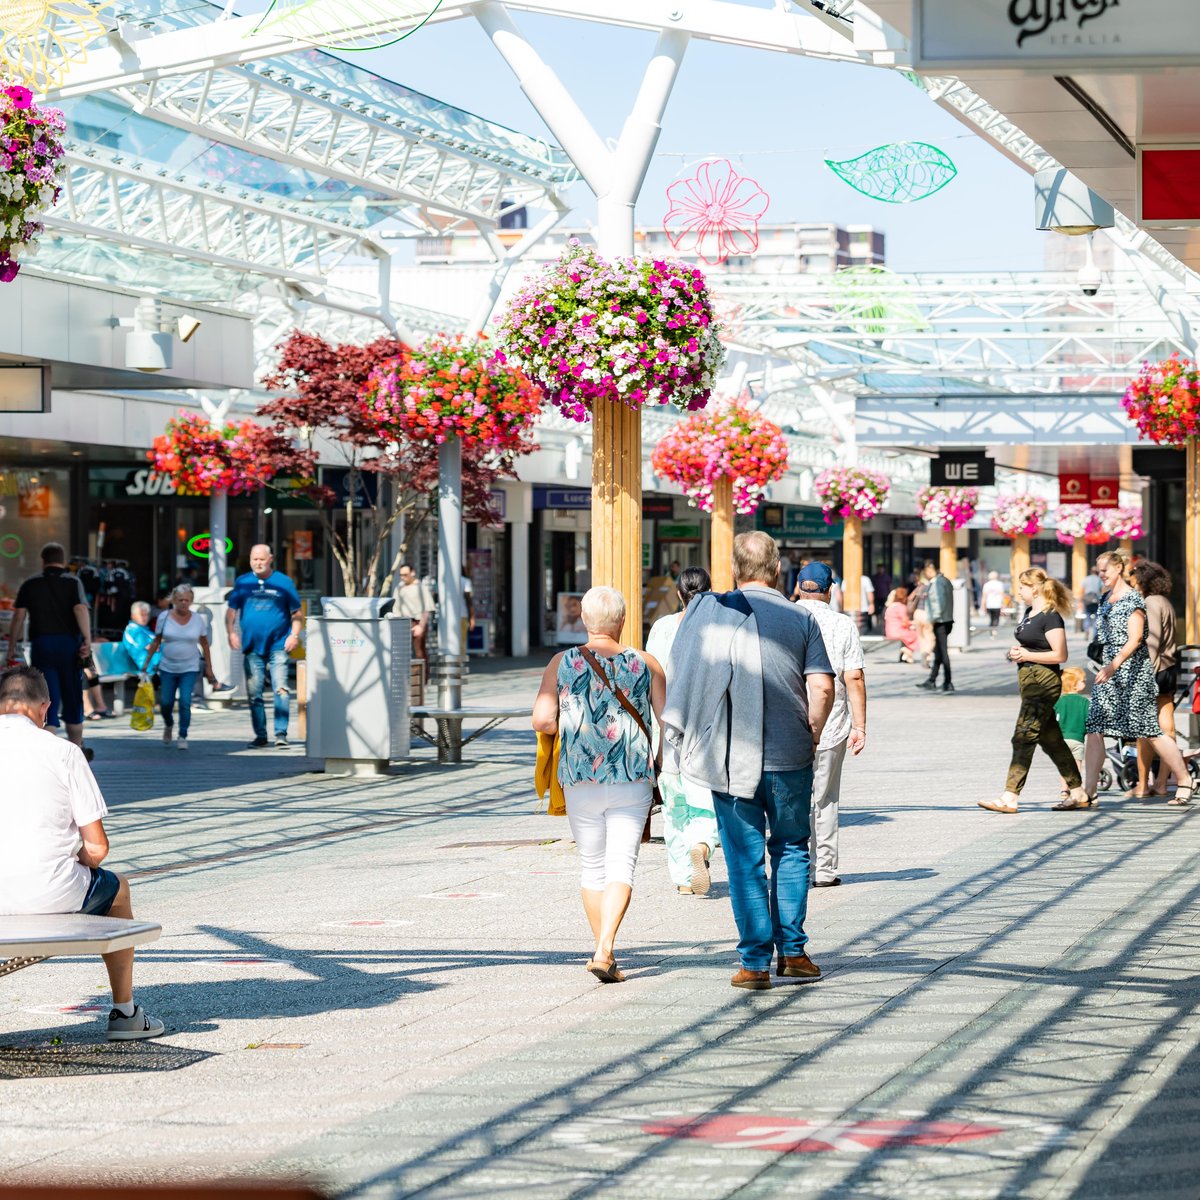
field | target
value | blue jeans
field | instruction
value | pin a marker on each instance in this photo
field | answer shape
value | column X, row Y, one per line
column 56, row 655
column 256, row 671
column 768, row 918
column 169, row 685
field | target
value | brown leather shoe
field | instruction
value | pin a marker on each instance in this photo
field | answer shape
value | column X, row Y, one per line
column 752, row 981
column 798, row 967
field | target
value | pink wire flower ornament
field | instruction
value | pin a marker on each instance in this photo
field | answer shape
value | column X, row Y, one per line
column 715, row 213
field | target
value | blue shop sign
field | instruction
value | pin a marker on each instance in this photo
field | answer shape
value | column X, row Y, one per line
column 787, row 521
column 550, row 497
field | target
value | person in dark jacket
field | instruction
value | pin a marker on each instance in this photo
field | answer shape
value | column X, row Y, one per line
column 939, row 604
column 60, row 637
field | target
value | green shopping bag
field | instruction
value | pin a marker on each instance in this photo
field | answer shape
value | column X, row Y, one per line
column 142, row 717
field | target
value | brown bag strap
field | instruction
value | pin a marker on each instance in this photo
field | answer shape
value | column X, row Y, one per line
column 593, row 662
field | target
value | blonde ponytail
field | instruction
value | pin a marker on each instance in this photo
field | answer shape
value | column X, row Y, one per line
column 1054, row 594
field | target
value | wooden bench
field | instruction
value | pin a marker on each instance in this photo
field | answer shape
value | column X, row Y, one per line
column 25, row 940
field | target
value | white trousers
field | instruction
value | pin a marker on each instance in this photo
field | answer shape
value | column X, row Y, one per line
column 606, row 822
column 826, row 792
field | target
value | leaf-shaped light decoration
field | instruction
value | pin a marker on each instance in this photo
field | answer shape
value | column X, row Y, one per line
column 875, row 302
column 41, row 39
column 346, row 24
column 899, row 173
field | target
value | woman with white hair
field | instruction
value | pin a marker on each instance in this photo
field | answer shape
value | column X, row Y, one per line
column 599, row 698
column 138, row 635
column 182, row 634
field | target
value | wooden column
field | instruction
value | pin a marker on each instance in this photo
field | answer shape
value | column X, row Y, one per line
column 949, row 555
column 617, row 508
column 1125, row 545
column 721, row 558
column 1018, row 562
column 1191, row 537
column 852, row 565
column 1079, row 557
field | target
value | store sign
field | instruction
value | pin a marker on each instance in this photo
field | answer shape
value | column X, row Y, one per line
column 791, row 522
column 679, row 531
column 548, row 497
column 1168, row 195
column 200, row 546
column 1054, row 35
column 658, row 506
column 24, row 389
column 1074, row 489
column 34, row 503
column 962, row 468
column 148, row 483
column 1104, row 493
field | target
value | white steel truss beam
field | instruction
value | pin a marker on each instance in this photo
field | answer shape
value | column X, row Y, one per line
column 107, row 198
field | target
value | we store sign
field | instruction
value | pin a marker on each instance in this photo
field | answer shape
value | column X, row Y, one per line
column 1052, row 35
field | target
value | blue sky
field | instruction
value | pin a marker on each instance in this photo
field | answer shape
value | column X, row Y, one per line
column 776, row 116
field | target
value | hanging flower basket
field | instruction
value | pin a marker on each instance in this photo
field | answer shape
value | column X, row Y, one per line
column 202, row 460
column 732, row 442
column 947, row 508
column 1164, row 401
column 451, row 386
column 1124, row 524
column 31, row 167
column 851, row 492
column 1076, row 521
column 1019, row 516
column 634, row 331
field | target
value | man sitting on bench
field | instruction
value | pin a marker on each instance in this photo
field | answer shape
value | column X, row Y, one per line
column 49, row 804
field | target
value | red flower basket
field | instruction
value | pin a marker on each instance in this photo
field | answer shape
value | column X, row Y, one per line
column 1164, row 401
column 201, row 460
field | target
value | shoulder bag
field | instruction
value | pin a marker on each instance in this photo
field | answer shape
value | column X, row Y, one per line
column 628, row 706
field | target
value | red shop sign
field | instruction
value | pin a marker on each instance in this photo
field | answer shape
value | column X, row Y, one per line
column 1104, row 493
column 1074, row 489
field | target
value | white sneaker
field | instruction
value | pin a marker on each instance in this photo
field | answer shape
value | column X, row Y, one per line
column 182, row 744
column 168, row 730
column 133, row 1029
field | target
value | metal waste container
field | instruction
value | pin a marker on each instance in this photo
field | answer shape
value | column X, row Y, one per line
column 960, row 635
column 357, row 690
column 227, row 663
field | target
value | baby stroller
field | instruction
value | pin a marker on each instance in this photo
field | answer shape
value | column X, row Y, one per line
column 1121, row 766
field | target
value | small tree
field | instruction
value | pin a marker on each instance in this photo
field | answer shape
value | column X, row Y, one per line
column 320, row 405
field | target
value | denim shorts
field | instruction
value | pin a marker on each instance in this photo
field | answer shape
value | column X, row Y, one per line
column 101, row 893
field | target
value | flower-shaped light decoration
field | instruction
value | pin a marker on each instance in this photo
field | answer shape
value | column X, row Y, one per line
column 451, row 385
column 634, row 331
column 1124, row 523
column 729, row 441
column 31, row 165
column 947, row 507
column 1164, row 401
column 851, row 492
column 1077, row 521
column 201, row 460
column 40, row 40
column 1020, row 515
column 715, row 213
column 898, row 173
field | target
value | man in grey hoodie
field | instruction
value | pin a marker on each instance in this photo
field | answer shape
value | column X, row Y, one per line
column 750, row 690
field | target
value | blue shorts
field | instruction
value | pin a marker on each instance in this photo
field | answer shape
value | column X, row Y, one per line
column 56, row 655
column 101, row 893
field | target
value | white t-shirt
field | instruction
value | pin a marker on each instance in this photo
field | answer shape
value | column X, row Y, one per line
column 868, row 595
column 49, row 792
column 845, row 652
column 993, row 594
column 181, row 643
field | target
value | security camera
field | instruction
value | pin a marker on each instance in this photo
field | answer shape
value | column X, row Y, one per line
column 1090, row 279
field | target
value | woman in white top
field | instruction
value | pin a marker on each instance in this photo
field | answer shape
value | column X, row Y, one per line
column 689, row 820
column 181, row 634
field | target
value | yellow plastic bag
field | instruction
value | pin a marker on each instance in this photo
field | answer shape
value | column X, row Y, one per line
column 142, row 717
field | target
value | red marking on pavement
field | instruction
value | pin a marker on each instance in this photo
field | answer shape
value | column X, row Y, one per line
column 795, row 1136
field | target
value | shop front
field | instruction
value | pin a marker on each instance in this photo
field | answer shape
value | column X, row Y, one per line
column 35, row 508
column 562, row 533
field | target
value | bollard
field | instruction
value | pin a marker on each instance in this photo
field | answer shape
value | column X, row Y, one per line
column 450, row 671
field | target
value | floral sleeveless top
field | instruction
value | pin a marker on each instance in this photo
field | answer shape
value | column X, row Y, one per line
column 601, row 742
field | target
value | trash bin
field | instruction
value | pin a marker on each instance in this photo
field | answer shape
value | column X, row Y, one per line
column 227, row 665
column 960, row 635
column 357, row 690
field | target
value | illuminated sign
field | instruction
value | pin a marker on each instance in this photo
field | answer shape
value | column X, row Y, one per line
column 202, row 543
column 11, row 545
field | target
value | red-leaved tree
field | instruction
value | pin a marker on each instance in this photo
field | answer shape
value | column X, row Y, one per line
column 318, row 409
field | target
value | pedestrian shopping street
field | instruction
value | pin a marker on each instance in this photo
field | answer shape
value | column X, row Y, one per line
column 378, row 986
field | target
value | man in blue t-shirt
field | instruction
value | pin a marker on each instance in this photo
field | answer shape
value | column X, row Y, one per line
column 270, row 630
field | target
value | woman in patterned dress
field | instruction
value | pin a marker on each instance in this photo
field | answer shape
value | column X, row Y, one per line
column 1124, row 699
column 605, row 762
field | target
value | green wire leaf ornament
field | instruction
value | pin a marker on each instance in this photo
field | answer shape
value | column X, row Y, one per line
column 899, row 173
column 347, row 24
column 875, row 302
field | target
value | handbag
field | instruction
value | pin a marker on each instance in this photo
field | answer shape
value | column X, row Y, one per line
column 142, row 717
column 627, row 705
